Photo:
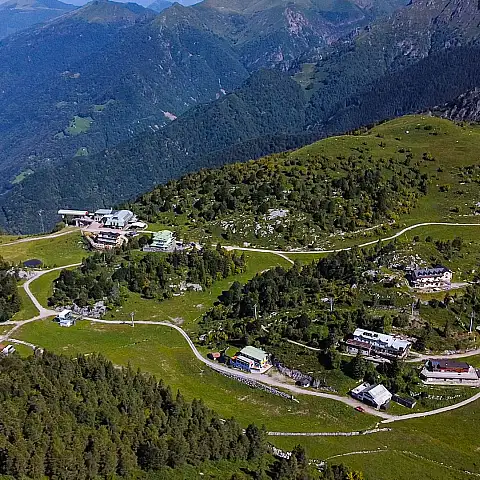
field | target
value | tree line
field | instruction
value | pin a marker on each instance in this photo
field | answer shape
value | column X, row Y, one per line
column 10, row 302
column 102, row 275
column 330, row 193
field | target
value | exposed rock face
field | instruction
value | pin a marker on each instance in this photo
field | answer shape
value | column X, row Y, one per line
column 274, row 33
column 464, row 108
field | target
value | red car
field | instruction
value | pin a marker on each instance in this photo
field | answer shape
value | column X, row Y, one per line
column 360, row 409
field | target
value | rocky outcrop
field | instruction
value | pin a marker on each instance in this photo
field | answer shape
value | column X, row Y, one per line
column 465, row 108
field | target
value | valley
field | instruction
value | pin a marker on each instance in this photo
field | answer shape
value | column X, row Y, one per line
column 426, row 233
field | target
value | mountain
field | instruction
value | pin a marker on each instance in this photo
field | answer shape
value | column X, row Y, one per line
column 160, row 5
column 271, row 33
column 98, row 75
column 16, row 15
column 424, row 55
column 464, row 108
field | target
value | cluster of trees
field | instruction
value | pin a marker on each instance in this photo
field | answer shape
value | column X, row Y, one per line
column 153, row 274
column 102, row 275
column 334, row 193
column 396, row 376
column 295, row 303
column 84, row 419
column 10, row 302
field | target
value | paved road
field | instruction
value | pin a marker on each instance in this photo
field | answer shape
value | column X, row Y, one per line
column 396, row 418
column 43, row 237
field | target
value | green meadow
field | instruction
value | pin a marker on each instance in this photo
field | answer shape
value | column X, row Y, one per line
column 163, row 352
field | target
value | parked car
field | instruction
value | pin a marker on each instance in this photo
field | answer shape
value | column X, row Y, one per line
column 360, row 409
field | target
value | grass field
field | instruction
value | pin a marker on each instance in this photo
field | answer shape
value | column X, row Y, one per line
column 189, row 307
column 28, row 309
column 438, row 448
column 78, row 125
column 163, row 352
column 23, row 350
column 58, row 251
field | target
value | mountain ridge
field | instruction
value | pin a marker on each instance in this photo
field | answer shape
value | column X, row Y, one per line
column 17, row 15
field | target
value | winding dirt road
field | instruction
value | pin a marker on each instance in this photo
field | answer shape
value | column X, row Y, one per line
column 367, row 244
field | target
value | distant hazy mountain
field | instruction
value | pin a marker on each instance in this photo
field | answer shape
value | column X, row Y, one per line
column 160, row 5
column 16, row 15
column 267, row 33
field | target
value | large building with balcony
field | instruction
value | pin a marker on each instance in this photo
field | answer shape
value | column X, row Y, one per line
column 438, row 278
column 373, row 343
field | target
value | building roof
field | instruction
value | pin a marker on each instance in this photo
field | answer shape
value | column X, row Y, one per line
column 379, row 394
column 64, row 313
column 382, row 338
column 104, row 211
column 429, row 272
column 254, row 353
column 447, row 364
column 163, row 236
column 123, row 214
column 470, row 375
column 75, row 213
column 241, row 358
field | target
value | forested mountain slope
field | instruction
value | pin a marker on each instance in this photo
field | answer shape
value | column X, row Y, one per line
column 104, row 72
column 275, row 33
column 256, row 111
column 16, row 15
column 65, row 74
column 425, row 55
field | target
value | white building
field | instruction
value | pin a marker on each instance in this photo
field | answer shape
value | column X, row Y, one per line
column 65, row 318
column 374, row 343
column 376, row 396
column 74, row 217
column 120, row 219
column 163, row 241
column 449, row 372
column 431, row 278
column 6, row 349
column 101, row 213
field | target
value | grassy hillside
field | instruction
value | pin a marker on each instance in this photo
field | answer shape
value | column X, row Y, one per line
column 315, row 195
column 163, row 352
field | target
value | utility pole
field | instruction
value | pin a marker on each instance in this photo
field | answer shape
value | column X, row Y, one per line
column 41, row 220
column 472, row 317
column 331, row 304
column 133, row 315
column 255, row 310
